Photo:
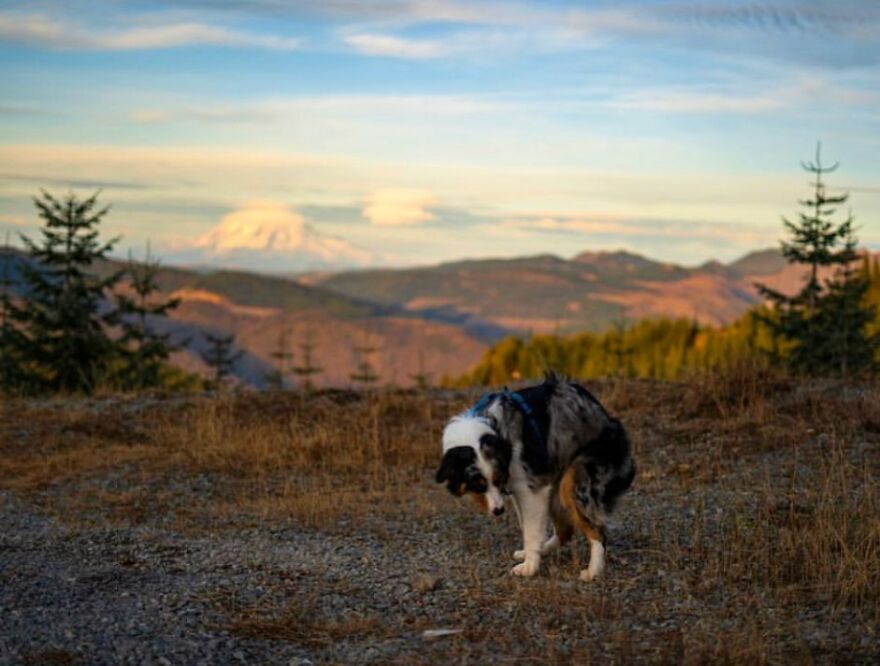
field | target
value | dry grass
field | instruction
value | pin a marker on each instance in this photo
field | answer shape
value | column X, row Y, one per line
column 816, row 538
column 272, row 454
column 756, row 512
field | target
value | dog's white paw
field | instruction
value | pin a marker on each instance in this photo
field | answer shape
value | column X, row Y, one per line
column 526, row 569
column 588, row 575
column 519, row 555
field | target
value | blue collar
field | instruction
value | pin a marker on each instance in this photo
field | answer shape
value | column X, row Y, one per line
column 518, row 401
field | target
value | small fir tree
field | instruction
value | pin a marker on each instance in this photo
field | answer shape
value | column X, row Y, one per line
column 365, row 373
column 823, row 329
column 144, row 350
column 421, row 378
column 221, row 357
column 306, row 369
column 845, row 315
column 283, row 358
column 66, row 313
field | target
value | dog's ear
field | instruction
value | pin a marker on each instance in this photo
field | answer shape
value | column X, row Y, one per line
column 454, row 462
column 447, row 466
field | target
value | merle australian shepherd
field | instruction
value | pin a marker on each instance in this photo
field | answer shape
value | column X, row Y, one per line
column 555, row 452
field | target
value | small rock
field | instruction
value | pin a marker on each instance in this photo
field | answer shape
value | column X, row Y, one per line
column 424, row 583
column 433, row 634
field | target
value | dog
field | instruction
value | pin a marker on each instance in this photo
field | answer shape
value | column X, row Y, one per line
column 555, row 452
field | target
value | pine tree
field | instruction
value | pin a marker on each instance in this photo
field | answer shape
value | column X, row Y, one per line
column 365, row 373
column 845, row 314
column 821, row 329
column 144, row 351
column 421, row 378
column 815, row 237
column 221, row 358
column 283, row 358
column 306, row 369
column 66, row 313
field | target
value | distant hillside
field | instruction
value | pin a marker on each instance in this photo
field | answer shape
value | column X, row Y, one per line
column 545, row 293
column 441, row 318
column 255, row 307
column 761, row 262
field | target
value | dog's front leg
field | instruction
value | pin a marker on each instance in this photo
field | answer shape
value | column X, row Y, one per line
column 534, row 509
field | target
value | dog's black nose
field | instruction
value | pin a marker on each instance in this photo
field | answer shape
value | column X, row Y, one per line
column 498, row 510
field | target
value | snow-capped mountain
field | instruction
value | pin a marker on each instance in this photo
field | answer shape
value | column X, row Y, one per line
column 271, row 237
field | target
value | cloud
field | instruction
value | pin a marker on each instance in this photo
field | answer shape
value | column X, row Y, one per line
column 845, row 35
column 12, row 220
column 482, row 44
column 43, row 31
column 696, row 102
column 394, row 207
column 301, row 109
column 49, row 181
column 623, row 227
column 398, row 47
column 232, row 114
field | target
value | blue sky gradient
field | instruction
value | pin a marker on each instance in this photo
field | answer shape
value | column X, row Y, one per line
column 419, row 131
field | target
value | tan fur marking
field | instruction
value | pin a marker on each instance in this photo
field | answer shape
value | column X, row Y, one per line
column 481, row 501
column 567, row 499
column 563, row 528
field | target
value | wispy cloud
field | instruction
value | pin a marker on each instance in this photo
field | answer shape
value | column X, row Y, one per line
column 697, row 102
column 305, row 107
column 48, row 181
column 398, row 47
column 483, row 27
column 397, row 207
column 744, row 234
column 12, row 221
column 47, row 32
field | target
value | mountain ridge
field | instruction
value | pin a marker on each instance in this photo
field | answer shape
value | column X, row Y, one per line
column 441, row 318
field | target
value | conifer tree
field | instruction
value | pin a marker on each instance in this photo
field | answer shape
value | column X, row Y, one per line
column 144, row 351
column 844, row 315
column 365, row 373
column 421, row 378
column 826, row 327
column 283, row 358
column 66, row 313
column 221, row 357
column 307, row 368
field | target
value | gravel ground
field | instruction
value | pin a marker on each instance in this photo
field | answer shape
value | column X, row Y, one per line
column 98, row 587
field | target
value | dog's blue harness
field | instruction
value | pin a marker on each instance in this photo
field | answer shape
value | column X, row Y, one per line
column 518, row 401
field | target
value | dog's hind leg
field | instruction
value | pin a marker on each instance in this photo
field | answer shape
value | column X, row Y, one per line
column 569, row 495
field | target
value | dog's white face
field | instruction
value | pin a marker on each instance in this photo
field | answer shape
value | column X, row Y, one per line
column 476, row 461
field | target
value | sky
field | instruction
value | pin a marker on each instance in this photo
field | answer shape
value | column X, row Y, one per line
column 295, row 134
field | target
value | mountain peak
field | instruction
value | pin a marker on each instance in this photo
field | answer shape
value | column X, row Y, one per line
column 270, row 235
column 609, row 256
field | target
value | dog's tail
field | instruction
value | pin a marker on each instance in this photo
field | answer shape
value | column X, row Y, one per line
column 602, row 472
